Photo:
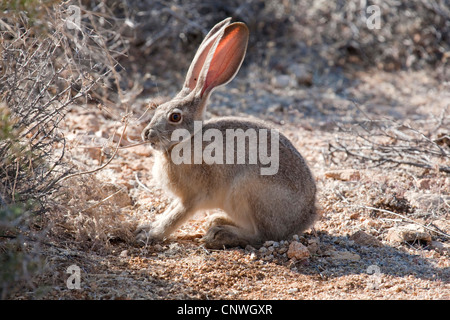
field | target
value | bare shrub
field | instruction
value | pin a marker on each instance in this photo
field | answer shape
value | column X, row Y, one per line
column 412, row 34
column 48, row 62
column 387, row 141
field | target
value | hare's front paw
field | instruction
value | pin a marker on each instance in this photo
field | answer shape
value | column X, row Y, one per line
column 147, row 234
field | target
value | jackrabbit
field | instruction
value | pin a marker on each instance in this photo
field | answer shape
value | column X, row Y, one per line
column 256, row 206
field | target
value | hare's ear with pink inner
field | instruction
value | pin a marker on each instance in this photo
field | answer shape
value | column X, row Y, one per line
column 202, row 53
column 224, row 58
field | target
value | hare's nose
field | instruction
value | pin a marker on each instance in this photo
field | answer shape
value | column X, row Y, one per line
column 148, row 134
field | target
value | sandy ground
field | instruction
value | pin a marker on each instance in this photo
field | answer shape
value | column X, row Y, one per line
column 352, row 250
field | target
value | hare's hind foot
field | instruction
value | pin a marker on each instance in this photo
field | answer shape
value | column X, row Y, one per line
column 218, row 219
column 223, row 236
column 227, row 236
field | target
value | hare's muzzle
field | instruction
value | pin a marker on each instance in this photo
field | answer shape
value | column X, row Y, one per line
column 149, row 134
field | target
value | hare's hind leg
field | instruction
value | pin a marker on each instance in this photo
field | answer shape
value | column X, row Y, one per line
column 227, row 236
column 219, row 219
column 231, row 228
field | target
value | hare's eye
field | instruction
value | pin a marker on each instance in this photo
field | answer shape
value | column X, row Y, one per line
column 175, row 117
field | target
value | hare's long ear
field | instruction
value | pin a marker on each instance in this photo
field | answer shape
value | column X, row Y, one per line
column 224, row 58
column 202, row 53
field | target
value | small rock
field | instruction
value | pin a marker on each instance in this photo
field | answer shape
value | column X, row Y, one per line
column 364, row 239
column 354, row 216
column 374, row 223
column 268, row 243
column 123, row 254
column 313, row 246
column 281, row 81
column 397, row 288
column 268, row 257
column 174, row 249
column 344, row 175
column 440, row 246
column 302, row 73
column 408, row 233
column 342, row 255
column 424, row 184
column 292, row 290
column 275, row 108
column 295, row 237
column 297, row 251
column 249, row 248
column 263, row 250
column 282, row 250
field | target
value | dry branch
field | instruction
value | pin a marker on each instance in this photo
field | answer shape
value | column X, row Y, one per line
column 46, row 67
column 381, row 141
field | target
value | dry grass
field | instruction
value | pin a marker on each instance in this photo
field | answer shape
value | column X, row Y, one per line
column 92, row 213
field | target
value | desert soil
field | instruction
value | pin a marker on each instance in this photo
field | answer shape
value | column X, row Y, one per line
column 353, row 251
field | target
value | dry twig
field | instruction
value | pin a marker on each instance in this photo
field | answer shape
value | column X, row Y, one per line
column 389, row 141
column 403, row 217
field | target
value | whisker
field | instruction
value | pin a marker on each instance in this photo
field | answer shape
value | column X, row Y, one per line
column 135, row 144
